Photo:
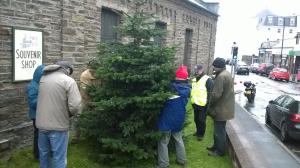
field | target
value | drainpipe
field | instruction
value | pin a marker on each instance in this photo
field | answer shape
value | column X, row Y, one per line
column 61, row 28
column 174, row 27
column 209, row 50
column 197, row 43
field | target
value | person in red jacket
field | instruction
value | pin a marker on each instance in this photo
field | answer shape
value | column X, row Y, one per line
column 172, row 117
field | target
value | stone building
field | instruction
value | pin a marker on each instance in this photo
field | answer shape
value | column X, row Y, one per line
column 72, row 29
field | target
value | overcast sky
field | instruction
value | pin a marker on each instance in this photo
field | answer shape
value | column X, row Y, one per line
column 237, row 22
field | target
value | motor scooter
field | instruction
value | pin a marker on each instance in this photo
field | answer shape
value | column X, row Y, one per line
column 250, row 91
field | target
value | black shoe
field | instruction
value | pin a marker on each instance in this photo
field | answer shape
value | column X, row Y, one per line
column 214, row 154
column 199, row 138
column 181, row 163
column 210, row 148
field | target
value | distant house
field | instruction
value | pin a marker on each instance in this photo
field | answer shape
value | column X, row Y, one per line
column 277, row 38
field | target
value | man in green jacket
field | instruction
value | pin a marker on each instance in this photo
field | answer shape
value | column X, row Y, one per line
column 221, row 107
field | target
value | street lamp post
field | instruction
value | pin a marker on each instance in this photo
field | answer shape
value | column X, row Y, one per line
column 282, row 41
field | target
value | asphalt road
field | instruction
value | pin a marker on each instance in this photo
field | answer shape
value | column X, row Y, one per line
column 266, row 90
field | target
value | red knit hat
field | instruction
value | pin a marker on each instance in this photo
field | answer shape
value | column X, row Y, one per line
column 182, row 72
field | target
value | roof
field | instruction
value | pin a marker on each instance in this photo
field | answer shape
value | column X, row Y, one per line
column 268, row 44
column 265, row 13
column 209, row 7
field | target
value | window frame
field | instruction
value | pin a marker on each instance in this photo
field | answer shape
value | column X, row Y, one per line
column 280, row 21
column 163, row 27
column 270, row 20
column 113, row 13
column 292, row 21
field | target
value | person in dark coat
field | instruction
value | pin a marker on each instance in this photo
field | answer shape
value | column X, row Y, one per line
column 172, row 118
column 221, row 107
column 32, row 95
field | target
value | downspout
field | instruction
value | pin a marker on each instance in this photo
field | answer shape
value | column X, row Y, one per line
column 209, row 50
column 61, row 28
column 174, row 27
column 198, row 43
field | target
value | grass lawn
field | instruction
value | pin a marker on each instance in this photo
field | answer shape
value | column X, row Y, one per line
column 81, row 155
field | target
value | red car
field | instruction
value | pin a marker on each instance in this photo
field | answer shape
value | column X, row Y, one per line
column 280, row 74
column 265, row 69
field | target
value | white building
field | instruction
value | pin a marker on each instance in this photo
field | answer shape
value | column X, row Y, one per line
column 271, row 29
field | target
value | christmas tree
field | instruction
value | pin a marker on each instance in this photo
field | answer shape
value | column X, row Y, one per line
column 135, row 78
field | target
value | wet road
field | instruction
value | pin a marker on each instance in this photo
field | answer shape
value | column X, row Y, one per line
column 266, row 90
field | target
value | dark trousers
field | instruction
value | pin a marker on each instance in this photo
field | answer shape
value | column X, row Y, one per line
column 200, row 119
column 220, row 139
column 35, row 140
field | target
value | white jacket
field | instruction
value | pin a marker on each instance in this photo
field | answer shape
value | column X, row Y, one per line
column 58, row 99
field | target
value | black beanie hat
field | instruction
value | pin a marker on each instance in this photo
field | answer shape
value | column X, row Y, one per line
column 219, row 63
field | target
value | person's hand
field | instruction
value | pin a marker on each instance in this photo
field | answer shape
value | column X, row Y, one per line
column 211, row 113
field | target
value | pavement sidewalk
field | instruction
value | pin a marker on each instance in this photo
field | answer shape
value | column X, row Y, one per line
column 255, row 146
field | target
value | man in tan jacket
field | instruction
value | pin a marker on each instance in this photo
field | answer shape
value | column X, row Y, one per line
column 58, row 100
column 87, row 79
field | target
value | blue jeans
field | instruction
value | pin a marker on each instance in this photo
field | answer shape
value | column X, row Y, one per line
column 53, row 149
column 220, row 139
column 163, row 156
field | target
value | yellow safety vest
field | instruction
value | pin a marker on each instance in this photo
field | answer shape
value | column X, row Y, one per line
column 199, row 91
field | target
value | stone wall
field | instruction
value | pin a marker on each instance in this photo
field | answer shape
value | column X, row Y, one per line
column 15, row 128
column 72, row 31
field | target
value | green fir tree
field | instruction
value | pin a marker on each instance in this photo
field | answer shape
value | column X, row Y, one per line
column 135, row 76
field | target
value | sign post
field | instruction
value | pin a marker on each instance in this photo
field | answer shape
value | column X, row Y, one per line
column 27, row 53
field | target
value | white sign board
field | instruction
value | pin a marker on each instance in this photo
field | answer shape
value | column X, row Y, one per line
column 28, row 53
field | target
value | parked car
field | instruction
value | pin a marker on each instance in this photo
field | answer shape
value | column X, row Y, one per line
column 242, row 68
column 284, row 113
column 265, row 68
column 232, row 62
column 280, row 74
column 254, row 67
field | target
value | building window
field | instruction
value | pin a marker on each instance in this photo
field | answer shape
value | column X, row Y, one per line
column 109, row 20
column 156, row 8
column 167, row 12
column 270, row 20
column 292, row 21
column 163, row 27
column 279, row 31
column 291, row 31
column 150, row 4
column 280, row 21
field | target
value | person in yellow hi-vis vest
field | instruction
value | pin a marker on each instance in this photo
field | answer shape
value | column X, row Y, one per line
column 201, row 88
